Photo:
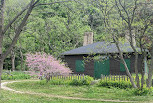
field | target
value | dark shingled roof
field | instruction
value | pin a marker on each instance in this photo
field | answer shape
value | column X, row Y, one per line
column 100, row 48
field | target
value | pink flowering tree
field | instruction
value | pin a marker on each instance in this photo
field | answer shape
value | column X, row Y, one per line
column 42, row 64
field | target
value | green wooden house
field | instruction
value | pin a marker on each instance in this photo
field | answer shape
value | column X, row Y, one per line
column 103, row 59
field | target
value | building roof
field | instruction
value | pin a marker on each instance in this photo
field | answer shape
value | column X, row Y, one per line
column 101, row 48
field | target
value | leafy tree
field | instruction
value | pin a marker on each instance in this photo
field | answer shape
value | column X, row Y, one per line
column 57, row 31
column 5, row 27
column 114, row 26
column 122, row 16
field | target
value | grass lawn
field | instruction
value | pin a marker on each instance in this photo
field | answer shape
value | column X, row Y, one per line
column 75, row 91
column 10, row 97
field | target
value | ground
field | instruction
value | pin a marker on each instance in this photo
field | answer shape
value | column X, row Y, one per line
column 53, row 97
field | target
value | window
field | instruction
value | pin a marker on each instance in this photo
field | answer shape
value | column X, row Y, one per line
column 79, row 66
column 122, row 68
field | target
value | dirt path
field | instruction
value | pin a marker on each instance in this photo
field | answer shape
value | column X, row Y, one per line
column 3, row 85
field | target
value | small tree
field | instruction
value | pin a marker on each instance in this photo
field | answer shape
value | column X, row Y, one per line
column 42, row 64
column 114, row 26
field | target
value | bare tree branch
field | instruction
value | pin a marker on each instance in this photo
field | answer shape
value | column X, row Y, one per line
column 53, row 3
column 124, row 10
column 133, row 13
column 15, row 18
column 19, row 29
column 1, row 24
column 120, row 12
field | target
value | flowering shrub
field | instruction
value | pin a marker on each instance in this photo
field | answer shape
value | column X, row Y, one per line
column 42, row 64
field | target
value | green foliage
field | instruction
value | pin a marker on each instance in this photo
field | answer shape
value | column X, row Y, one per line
column 142, row 92
column 55, row 82
column 74, row 81
column 86, row 81
column 59, row 82
column 116, row 84
column 89, row 79
column 15, row 76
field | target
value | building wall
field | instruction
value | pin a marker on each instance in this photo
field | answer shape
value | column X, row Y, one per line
column 140, row 63
column 89, row 66
column 115, row 65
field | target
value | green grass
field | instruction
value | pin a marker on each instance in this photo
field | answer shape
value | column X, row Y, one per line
column 15, row 75
column 80, row 91
column 10, row 97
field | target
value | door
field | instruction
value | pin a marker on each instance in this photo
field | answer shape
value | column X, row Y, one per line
column 79, row 66
column 122, row 67
column 101, row 67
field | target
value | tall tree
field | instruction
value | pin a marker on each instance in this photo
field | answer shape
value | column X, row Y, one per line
column 4, row 28
column 128, row 17
column 113, row 25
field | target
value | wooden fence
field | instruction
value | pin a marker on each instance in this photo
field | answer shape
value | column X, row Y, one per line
column 116, row 78
column 120, row 78
column 82, row 76
column 69, row 77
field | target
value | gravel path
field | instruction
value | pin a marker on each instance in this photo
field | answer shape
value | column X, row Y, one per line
column 3, row 86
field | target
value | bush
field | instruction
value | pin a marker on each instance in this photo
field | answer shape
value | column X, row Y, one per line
column 15, row 75
column 86, row 81
column 66, row 81
column 141, row 92
column 75, row 82
column 116, row 84
column 59, row 82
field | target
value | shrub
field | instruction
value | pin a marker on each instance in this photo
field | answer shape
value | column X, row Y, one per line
column 86, row 81
column 141, row 92
column 66, row 81
column 75, row 82
column 116, row 84
column 15, row 75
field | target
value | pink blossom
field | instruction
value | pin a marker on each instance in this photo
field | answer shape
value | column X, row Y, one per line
column 45, row 64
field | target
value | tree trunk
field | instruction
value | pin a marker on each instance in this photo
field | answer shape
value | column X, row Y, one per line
column 21, row 56
column 142, row 73
column 142, row 80
column 1, row 68
column 22, row 66
column 124, row 63
column 13, row 60
column 136, row 69
column 136, row 55
column 149, row 84
column 143, row 51
column 128, row 73
column 18, row 31
column 1, row 36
